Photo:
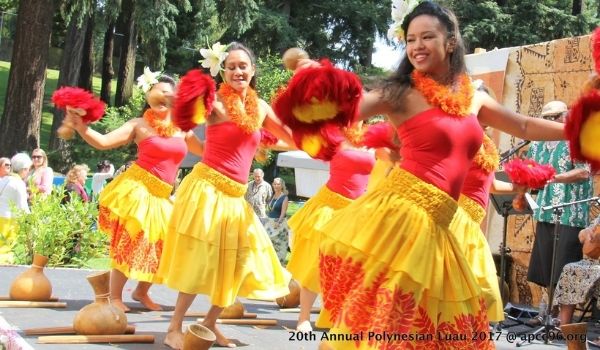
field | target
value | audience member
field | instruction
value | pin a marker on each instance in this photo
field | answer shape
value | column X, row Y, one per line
column 13, row 194
column 105, row 171
column 75, row 183
column 572, row 182
column 42, row 176
column 578, row 280
column 259, row 191
column 4, row 167
column 276, row 222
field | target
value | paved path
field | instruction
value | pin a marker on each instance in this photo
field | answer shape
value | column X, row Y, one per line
column 71, row 286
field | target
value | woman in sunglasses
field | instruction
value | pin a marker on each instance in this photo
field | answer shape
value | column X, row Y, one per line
column 42, row 176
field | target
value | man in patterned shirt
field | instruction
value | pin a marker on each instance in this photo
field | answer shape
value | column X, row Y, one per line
column 572, row 182
column 258, row 193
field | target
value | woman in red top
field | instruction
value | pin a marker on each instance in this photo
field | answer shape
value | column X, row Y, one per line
column 135, row 208
column 349, row 171
column 389, row 263
column 216, row 244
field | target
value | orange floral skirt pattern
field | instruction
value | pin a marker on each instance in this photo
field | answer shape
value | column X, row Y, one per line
column 135, row 212
column 393, row 276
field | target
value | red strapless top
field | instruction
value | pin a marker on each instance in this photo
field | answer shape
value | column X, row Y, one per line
column 230, row 150
column 161, row 156
column 477, row 185
column 349, row 171
column 438, row 148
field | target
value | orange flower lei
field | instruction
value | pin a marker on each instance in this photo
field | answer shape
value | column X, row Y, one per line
column 487, row 157
column 159, row 123
column 452, row 101
column 355, row 135
column 247, row 118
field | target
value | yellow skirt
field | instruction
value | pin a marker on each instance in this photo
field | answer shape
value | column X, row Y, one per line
column 390, row 267
column 380, row 170
column 8, row 235
column 466, row 225
column 306, row 225
column 217, row 246
column 134, row 211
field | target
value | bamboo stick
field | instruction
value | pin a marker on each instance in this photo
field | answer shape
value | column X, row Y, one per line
column 242, row 321
column 86, row 339
column 203, row 314
column 65, row 330
column 314, row 310
column 19, row 303
column 4, row 298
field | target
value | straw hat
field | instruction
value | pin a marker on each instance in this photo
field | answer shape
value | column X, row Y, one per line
column 553, row 108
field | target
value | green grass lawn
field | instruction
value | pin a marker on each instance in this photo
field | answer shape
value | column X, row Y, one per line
column 50, row 86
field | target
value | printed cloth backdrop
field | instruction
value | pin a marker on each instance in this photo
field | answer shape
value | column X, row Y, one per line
column 532, row 76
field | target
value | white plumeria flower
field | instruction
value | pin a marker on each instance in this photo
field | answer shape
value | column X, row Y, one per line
column 400, row 8
column 146, row 80
column 214, row 57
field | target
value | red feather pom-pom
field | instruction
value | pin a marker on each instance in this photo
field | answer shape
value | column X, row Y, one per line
column 581, row 110
column 79, row 98
column 596, row 49
column 266, row 138
column 318, row 95
column 379, row 135
column 322, row 143
column 188, row 111
column 528, row 173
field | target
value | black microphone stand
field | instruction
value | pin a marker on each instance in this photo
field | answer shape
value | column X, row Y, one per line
column 548, row 324
column 506, row 154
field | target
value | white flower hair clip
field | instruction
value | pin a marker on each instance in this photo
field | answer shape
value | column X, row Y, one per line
column 400, row 8
column 214, row 57
column 147, row 79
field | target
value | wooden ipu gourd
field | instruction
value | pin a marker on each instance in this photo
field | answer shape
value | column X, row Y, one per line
column 32, row 284
column 198, row 337
column 100, row 317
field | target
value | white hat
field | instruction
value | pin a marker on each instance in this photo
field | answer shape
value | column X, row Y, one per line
column 553, row 108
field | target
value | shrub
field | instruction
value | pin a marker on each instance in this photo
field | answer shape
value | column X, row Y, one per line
column 65, row 232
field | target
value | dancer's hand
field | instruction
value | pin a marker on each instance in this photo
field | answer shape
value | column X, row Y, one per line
column 73, row 116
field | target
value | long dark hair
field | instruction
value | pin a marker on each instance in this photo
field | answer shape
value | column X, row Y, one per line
column 395, row 85
column 239, row 46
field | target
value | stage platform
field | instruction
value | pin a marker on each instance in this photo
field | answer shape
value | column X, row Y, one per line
column 70, row 286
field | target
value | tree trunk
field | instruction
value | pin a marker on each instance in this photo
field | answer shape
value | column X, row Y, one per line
column 577, row 7
column 20, row 124
column 87, row 61
column 107, row 67
column 70, row 68
column 127, row 58
column 366, row 57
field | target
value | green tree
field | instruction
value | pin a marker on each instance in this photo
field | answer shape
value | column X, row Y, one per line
column 490, row 24
column 156, row 22
column 343, row 31
column 20, row 124
column 78, row 14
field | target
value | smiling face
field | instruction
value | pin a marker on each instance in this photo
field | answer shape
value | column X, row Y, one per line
column 239, row 70
column 428, row 47
column 160, row 96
